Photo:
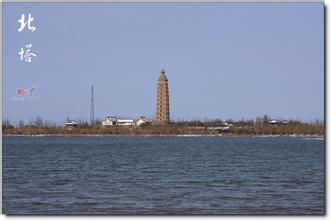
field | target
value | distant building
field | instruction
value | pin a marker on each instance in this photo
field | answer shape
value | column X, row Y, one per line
column 278, row 122
column 162, row 105
column 109, row 121
column 273, row 122
column 141, row 121
column 125, row 122
column 225, row 127
column 114, row 121
column 71, row 124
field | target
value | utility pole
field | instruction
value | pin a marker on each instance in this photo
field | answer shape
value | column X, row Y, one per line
column 92, row 107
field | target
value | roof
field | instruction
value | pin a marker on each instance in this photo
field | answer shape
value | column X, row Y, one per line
column 162, row 76
column 71, row 123
column 111, row 118
column 125, row 120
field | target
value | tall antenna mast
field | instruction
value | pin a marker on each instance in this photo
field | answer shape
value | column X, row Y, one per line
column 92, row 107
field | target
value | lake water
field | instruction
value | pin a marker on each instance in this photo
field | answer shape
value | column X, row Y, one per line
column 163, row 175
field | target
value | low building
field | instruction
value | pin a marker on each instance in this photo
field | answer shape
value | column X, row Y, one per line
column 114, row 121
column 71, row 124
column 226, row 126
column 278, row 122
column 109, row 121
column 273, row 122
column 141, row 121
column 125, row 122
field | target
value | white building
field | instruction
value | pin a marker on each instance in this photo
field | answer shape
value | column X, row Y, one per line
column 125, row 122
column 142, row 120
column 109, row 121
column 273, row 122
column 71, row 124
column 113, row 121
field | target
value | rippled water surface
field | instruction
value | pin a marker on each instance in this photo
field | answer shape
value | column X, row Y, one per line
column 163, row 175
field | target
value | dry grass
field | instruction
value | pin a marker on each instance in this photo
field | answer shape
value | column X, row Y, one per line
column 173, row 129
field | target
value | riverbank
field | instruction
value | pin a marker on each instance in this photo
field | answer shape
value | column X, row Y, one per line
column 170, row 130
column 159, row 135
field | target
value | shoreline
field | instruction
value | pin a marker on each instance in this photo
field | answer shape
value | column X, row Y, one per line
column 162, row 135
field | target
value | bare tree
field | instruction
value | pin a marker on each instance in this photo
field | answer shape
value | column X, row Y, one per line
column 39, row 122
column 21, row 124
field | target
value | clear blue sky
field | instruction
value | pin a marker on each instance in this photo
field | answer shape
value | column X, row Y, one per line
column 222, row 60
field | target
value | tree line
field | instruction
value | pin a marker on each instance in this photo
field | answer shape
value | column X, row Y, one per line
column 257, row 126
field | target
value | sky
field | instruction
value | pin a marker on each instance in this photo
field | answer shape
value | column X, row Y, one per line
column 222, row 60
